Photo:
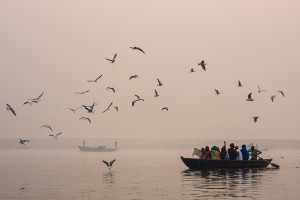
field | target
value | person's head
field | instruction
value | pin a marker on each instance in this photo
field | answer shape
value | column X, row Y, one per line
column 207, row 148
column 231, row 145
column 252, row 147
column 243, row 146
column 202, row 149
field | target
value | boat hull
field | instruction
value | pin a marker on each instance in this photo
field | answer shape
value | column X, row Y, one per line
column 196, row 163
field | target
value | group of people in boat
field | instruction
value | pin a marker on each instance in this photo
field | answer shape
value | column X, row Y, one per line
column 233, row 153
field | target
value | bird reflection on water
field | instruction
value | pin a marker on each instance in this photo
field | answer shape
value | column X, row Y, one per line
column 224, row 183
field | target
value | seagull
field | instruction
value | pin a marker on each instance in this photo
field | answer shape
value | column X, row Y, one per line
column 55, row 136
column 117, row 108
column 23, row 141
column 108, row 107
column 38, row 98
column 281, row 92
column 82, row 92
column 137, row 48
column 255, row 118
column 138, row 98
column 259, row 90
column 192, row 70
column 165, row 108
column 156, row 93
column 249, row 97
column 112, row 60
column 90, row 109
column 109, row 164
column 272, row 97
column 217, row 92
column 95, row 79
column 73, row 109
column 159, row 83
column 239, row 84
column 30, row 102
column 9, row 108
column 47, row 126
column 86, row 118
column 110, row 88
column 134, row 76
column 202, row 63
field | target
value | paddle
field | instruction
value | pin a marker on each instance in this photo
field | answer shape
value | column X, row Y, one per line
column 273, row 164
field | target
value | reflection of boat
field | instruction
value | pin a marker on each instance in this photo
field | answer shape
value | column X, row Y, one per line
column 195, row 163
column 97, row 149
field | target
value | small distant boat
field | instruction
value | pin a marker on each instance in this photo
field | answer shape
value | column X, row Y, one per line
column 101, row 148
column 196, row 163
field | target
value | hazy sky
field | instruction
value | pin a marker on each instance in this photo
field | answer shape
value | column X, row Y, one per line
column 56, row 46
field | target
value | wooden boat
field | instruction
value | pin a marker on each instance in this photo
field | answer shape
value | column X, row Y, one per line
column 196, row 163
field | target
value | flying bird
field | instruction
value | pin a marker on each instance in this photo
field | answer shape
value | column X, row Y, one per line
column 137, row 48
column 255, row 118
column 109, row 164
column 82, row 92
column 110, row 88
column 156, row 93
column 9, row 108
column 112, row 60
column 95, row 79
column 272, row 97
column 30, row 102
column 165, row 108
column 192, row 70
column 47, row 126
column 159, row 83
column 55, row 136
column 90, row 109
column 249, row 97
column 73, row 109
column 38, row 98
column 108, row 107
column 259, row 90
column 239, row 84
column 138, row 98
column 202, row 63
column 134, row 76
column 117, row 108
column 23, row 141
column 217, row 92
column 281, row 92
column 85, row 118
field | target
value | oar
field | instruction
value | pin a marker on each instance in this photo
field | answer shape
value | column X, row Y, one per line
column 273, row 164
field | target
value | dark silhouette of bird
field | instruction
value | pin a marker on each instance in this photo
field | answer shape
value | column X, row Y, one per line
column 259, row 90
column 23, row 141
column 30, row 102
column 156, row 93
column 95, row 79
column 109, row 164
column 217, row 92
column 255, row 118
column 272, row 97
column 134, row 76
column 137, row 48
column 202, row 63
column 117, row 108
column 138, row 98
column 85, row 118
column 112, row 60
column 110, row 88
column 165, row 108
column 47, row 126
column 159, row 83
column 82, row 92
column 9, row 108
column 281, row 92
column 55, row 136
column 74, row 109
column 249, row 97
column 90, row 109
column 38, row 98
column 108, row 107
column 192, row 70
column 239, row 84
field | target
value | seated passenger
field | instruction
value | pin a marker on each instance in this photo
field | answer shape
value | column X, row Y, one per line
column 245, row 152
column 198, row 152
column 206, row 154
column 240, row 156
column 223, row 153
column 215, row 153
column 254, row 153
column 232, row 152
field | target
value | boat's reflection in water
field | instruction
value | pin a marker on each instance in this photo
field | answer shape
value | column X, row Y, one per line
column 225, row 183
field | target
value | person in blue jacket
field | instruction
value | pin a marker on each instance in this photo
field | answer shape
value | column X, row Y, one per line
column 245, row 152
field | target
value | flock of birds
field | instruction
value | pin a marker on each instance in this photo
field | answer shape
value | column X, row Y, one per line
column 91, row 108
